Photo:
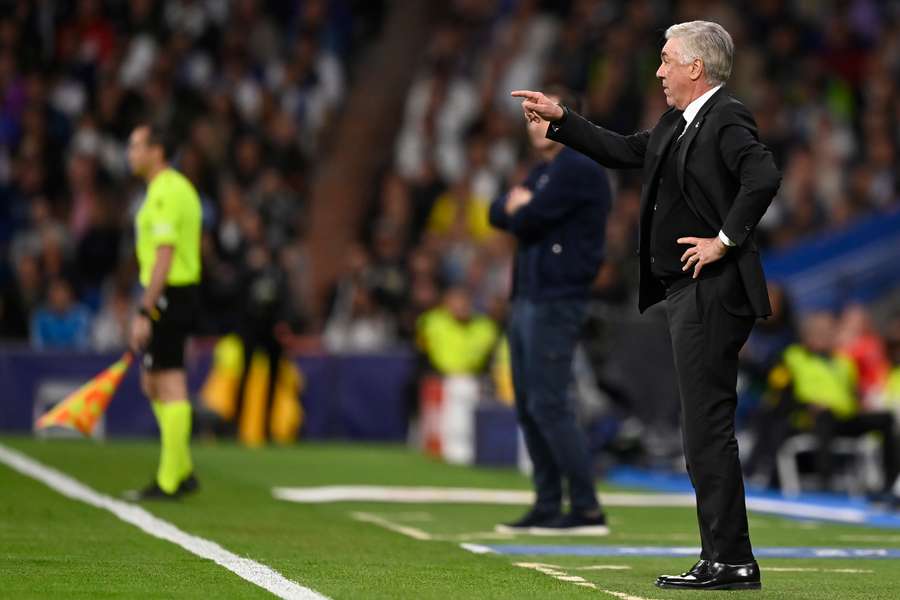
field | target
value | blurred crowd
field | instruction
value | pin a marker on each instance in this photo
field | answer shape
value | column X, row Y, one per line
column 245, row 87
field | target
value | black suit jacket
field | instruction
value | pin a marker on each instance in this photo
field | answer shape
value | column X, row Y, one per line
column 727, row 176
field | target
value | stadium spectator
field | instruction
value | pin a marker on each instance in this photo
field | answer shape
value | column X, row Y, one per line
column 891, row 393
column 456, row 340
column 63, row 323
column 356, row 321
column 21, row 298
column 814, row 388
column 361, row 326
column 266, row 316
column 387, row 274
column 857, row 338
column 109, row 330
column 764, row 350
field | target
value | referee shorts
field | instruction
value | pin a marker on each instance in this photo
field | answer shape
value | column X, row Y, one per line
column 178, row 308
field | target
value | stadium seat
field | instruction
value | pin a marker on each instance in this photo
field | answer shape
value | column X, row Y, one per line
column 858, row 468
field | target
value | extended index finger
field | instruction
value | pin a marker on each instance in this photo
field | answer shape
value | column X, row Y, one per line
column 526, row 94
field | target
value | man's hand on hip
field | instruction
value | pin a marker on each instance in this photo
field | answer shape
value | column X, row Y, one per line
column 702, row 252
column 538, row 106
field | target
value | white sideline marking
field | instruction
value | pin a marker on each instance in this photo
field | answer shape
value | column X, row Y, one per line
column 418, row 534
column 414, row 533
column 556, row 572
column 476, row 535
column 792, row 508
column 478, row 549
column 425, row 495
column 870, row 538
column 254, row 572
column 657, row 537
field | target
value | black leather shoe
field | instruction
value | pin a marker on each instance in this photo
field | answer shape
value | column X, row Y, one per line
column 714, row 576
column 697, row 570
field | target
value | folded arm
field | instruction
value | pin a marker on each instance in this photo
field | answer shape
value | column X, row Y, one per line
column 571, row 184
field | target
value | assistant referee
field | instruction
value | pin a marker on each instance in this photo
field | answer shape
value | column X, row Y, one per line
column 167, row 239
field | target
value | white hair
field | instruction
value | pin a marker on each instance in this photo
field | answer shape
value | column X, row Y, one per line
column 710, row 43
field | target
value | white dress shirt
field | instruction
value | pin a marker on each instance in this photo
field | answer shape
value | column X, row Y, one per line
column 690, row 113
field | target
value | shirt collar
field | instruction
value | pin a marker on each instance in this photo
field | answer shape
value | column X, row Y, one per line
column 694, row 107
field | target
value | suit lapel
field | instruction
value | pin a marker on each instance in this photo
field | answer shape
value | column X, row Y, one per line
column 691, row 133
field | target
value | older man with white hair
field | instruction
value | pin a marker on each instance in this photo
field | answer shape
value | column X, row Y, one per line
column 707, row 181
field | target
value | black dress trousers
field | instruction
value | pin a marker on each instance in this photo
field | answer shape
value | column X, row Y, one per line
column 706, row 340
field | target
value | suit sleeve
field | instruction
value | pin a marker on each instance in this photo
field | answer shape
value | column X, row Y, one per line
column 753, row 165
column 572, row 184
column 606, row 147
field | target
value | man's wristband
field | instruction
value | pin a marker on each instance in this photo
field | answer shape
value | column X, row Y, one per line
column 152, row 314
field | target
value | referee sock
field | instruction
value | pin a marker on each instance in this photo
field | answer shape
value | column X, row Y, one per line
column 185, row 463
column 175, row 437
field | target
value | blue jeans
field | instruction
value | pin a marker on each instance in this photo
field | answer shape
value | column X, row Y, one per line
column 542, row 339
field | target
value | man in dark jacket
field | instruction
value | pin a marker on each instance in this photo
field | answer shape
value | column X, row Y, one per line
column 559, row 219
column 707, row 183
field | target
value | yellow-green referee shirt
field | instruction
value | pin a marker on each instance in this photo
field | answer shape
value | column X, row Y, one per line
column 170, row 216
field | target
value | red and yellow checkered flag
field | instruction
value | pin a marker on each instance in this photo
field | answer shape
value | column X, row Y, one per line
column 82, row 408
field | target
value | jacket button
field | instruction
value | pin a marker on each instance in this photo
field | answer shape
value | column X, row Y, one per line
column 556, row 248
column 654, row 207
column 653, row 260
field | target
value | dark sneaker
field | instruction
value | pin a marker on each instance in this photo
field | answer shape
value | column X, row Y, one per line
column 533, row 518
column 188, row 485
column 151, row 492
column 573, row 524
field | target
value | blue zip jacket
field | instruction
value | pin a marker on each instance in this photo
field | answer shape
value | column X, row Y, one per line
column 561, row 232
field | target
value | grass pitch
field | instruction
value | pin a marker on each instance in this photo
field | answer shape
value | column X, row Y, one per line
column 54, row 547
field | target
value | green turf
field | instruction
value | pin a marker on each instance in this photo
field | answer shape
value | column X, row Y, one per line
column 53, row 547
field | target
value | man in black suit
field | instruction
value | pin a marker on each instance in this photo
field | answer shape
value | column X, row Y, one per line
column 707, row 182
